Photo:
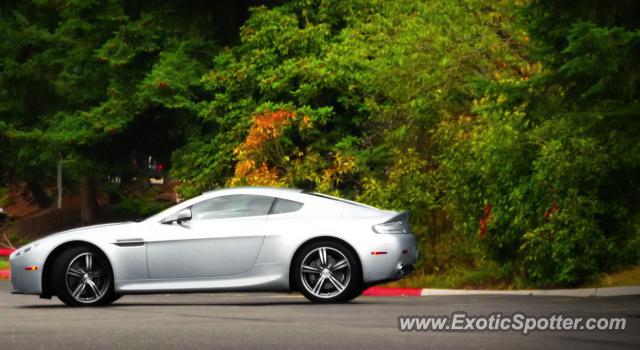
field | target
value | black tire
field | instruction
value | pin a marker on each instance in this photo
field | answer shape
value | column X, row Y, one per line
column 93, row 284
column 335, row 252
column 113, row 298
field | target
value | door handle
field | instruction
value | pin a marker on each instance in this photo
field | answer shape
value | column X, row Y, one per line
column 129, row 242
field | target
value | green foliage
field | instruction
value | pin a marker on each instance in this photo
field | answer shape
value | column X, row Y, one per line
column 447, row 109
column 137, row 207
column 509, row 130
column 407, row 185
column 375, row 79
column 102, row 85
column 546, row 155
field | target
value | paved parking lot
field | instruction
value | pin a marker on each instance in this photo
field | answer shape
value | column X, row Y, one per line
column 280, row 321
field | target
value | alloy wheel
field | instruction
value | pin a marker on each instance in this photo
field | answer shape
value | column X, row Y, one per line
column 86, row 278
column 325, row 272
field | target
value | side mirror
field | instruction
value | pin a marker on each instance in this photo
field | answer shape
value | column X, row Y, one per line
column 179, row 217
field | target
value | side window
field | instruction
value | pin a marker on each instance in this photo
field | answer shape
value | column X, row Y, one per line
column 233, row 206
column 285, row 206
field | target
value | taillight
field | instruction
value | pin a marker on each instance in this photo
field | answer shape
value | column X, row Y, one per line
column 390, row 227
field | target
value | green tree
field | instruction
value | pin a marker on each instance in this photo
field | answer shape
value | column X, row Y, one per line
column 375, row 79
column 102, row 84
column 507, row 128
column 553, row 159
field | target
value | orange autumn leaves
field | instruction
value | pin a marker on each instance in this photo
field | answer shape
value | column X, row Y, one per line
column 269, row 155
column 261, row 157
column 266, row 126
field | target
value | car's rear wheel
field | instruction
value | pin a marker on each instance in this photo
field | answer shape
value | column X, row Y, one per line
column 327, row 272
column 82, row 277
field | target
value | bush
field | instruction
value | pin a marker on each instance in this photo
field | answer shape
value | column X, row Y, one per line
column 134, row 208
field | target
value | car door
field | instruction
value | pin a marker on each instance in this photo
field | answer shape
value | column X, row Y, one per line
column 223, row 238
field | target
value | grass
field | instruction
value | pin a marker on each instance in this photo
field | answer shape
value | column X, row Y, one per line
column 489, row 276
column 486, row 276
column 628, row 277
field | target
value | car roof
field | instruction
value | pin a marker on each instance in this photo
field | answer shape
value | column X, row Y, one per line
column 319, row 200
column 281, row 192
column 255, row 189
column 290, row 193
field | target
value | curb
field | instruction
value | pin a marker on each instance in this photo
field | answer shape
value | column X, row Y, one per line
column 6, row 251
column 617, row 291
column 580, row 292
column 5, row 274
column 393, row 292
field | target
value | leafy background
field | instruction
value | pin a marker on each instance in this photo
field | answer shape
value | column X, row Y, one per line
column 508, row 129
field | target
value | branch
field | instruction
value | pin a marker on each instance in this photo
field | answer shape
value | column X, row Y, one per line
column 7, row 242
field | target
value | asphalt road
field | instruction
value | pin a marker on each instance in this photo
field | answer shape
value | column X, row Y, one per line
column 282, row 321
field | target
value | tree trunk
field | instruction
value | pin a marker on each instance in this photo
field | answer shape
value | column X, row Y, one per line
column 39, row 194
column 88, row 200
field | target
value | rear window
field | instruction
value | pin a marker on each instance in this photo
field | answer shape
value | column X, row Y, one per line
column 282, row 206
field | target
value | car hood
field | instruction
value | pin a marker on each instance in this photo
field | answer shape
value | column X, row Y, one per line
column 95, row 228
column 54, row 239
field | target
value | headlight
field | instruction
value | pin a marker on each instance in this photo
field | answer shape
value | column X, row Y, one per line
column 397, row 227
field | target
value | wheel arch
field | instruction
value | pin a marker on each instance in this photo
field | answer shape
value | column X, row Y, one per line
column 47, row 285
column 323, row 239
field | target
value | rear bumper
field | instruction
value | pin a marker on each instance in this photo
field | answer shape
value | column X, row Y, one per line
column 391, row 257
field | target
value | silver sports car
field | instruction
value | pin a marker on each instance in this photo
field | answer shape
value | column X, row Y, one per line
column 238, row 239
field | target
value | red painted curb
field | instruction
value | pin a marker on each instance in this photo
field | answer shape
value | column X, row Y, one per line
column 393, row 292
column 6, row 251
column 5, row 274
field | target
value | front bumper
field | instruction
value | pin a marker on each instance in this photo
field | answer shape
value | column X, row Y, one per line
column 23, row 281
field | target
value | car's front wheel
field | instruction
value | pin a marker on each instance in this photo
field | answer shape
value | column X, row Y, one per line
column 82, row 277
column 327, row 272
